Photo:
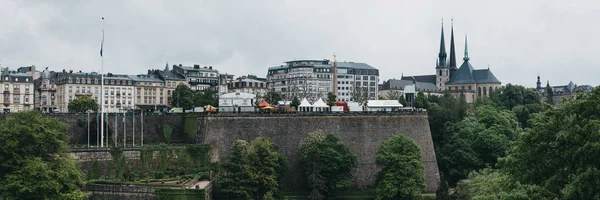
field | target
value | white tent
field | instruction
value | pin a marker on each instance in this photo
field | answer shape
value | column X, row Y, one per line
column 383, row 105
column 320, row 105
column 305, row 106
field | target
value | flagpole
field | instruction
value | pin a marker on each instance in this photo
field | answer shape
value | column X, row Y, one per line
column 102, row 88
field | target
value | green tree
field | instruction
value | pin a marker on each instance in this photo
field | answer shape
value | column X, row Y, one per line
column 34, row 159
column 268, row 167
column 273, row 97
column 442, row 193
column 167, row 132
column 83, row 104
column 206, row 97
column 403, row 101
column 560, row 149
column 236, row 178
column 477, row 141
column 331, row 99
column 295, row 103
column 510, row 96
column 328, row 164
column 182, row 97
column 492, row 184
column 401, row 174
column 421, row 101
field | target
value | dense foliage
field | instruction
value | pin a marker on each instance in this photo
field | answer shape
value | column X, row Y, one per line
column 295, row 102
column 83, row 104
column 401, row 174
column 252, row 171
column 34, row 160
column 328, row 164
column 274, row 97
column 184, row 97
column 477, row 141
column 331, row 99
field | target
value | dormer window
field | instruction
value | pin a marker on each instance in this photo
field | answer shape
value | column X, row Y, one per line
column 16, row 79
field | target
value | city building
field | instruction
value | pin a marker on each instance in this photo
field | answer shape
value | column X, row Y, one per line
column 118, row 93
column 224, row 82
column 199, row 78
column 45, row 93
column 464, row 80
column 70, row 85
column 150, row 92
column 17, row 91
column 560, row 92
column 237, row 102
column 393, row 89
column 310, row 79
column 314, row 79
column 29, row 70
column 249, row 84
column 172, row 80
column 357, row 82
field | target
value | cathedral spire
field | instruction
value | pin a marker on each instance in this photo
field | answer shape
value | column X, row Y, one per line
column 452, row 52
column 466, row 58
column 442, row 54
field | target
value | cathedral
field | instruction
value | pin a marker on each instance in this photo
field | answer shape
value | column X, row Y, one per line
column 448, row 78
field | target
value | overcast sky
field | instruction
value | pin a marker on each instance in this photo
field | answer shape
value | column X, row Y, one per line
column 517, row 39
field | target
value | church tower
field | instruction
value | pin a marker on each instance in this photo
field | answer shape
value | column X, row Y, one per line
column 452, row 51
column 442, row 74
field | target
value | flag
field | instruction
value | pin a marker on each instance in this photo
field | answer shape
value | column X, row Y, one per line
column 102, row 43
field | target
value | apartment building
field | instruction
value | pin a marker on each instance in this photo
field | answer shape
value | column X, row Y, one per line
column 118, row 93
column 249, row 84
column 171, row 80
column 199, row 78
column 71, row 85
column 313, row 79
column 150, row 92
column 17, row 91
column 310, row 79
column 357, row 82
column 45, row 93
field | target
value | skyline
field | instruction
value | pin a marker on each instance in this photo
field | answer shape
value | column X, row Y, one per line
column 535, row 37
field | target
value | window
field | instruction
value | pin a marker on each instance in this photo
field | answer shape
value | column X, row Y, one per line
column 26, row 99
column 26, row 79
column 440, row 72
column 469, row 87
column 70, row 89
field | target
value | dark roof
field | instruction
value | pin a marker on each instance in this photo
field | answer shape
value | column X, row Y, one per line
column 170, row 75
column 484, row 76
column 463, row 75
column 13, row 76
column 355, row 65
column 393, row 84
column 421, row 78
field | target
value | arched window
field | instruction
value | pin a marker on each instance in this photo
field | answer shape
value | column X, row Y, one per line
column 478, row 91
column 484, row 91
column 440, row 72
column 491, row 90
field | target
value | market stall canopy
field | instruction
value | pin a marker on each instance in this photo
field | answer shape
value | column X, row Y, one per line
column 263, row 103
column 320, row 104
column 267, row 107
column 305, row 103
column 284, row 102
column 384, row 104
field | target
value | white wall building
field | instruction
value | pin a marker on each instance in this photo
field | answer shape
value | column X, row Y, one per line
column 237, row 101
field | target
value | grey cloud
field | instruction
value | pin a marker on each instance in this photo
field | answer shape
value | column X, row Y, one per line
column 517, row 39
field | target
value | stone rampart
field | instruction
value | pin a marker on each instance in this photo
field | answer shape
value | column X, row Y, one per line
column 362, row 132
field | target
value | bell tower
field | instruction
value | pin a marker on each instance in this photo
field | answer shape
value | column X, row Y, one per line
column 442, row 74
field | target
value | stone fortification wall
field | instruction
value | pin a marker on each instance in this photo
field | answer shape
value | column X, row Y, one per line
column 362, row 133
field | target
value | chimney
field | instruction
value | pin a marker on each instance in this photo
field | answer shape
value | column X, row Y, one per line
column 209, row 67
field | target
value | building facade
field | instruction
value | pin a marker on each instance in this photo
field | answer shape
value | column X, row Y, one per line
column 45, row 93
column 249, row 84
column 71, row 85
column 464, row 80
column 199, row 78
column 17, row 91
column 118, row 93
column 314, row 79
column 560, row 92
column 150, row 92
column 171, row 80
